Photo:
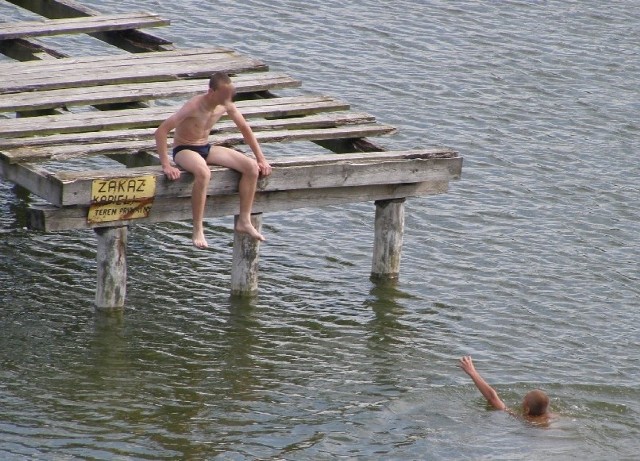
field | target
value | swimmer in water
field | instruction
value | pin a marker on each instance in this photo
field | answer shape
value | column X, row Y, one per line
column 535, row 405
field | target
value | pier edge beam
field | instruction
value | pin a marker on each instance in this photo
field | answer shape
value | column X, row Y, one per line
column 244, row 268
column 388, row 234
column 111, row 288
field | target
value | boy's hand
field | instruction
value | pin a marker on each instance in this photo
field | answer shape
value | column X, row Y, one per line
column 485, row 389
column 264, row 168
column 171, row 172
column 467, row 365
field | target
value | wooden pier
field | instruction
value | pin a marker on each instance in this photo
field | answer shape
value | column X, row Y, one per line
column 57, row 109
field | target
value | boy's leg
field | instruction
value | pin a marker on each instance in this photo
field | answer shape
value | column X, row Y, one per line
column 248, row 168
column 195, row 164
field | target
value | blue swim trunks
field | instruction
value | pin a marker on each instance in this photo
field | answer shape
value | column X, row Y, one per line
column 202, row 150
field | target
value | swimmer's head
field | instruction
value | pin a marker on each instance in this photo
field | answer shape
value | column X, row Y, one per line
column 535, row 403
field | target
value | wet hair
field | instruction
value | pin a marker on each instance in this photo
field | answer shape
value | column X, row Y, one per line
column 537, row 402
column 218, row 79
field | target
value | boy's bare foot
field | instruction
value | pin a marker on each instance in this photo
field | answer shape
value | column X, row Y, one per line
column 248, row 229
column 198, row 240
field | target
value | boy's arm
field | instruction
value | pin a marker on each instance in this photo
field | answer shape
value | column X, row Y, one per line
column 485, row 389
column 250, row 138
column 161, row 134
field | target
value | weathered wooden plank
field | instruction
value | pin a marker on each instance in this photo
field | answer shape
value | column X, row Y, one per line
column 230, row 63
column 50, row 219
column 87, row 24
column 317, row 172
column 153, row 116
column 80, row 140
column 32, row 68
column 16, row 150
column 33, row 178
column 134, row 41
column 104, row 70
column 128, row 92
column 232, row 138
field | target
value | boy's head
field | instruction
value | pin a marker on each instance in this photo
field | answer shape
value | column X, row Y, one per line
column 218, row 79
column 221, row 84
column 535, row 403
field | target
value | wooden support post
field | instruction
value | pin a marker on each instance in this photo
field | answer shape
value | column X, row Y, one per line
column 112, row 267
column 244, row 269
column 387, row 246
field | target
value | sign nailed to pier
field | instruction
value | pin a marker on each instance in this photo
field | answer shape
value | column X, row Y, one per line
column 121, row 199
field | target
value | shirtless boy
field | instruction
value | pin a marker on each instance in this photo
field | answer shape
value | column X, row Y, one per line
column 192, row 152
column 535, row 405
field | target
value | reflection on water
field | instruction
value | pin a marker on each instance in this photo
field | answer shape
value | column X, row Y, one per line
column 19, row 206
column 386, row 328
column 241, row 337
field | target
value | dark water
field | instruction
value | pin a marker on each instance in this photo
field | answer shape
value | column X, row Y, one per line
column 530, row 263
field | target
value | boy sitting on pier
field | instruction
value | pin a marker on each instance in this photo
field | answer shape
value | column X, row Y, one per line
column 535, row 405
column 193, row 152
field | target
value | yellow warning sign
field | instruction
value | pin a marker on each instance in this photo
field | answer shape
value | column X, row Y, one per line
column 119, row 199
